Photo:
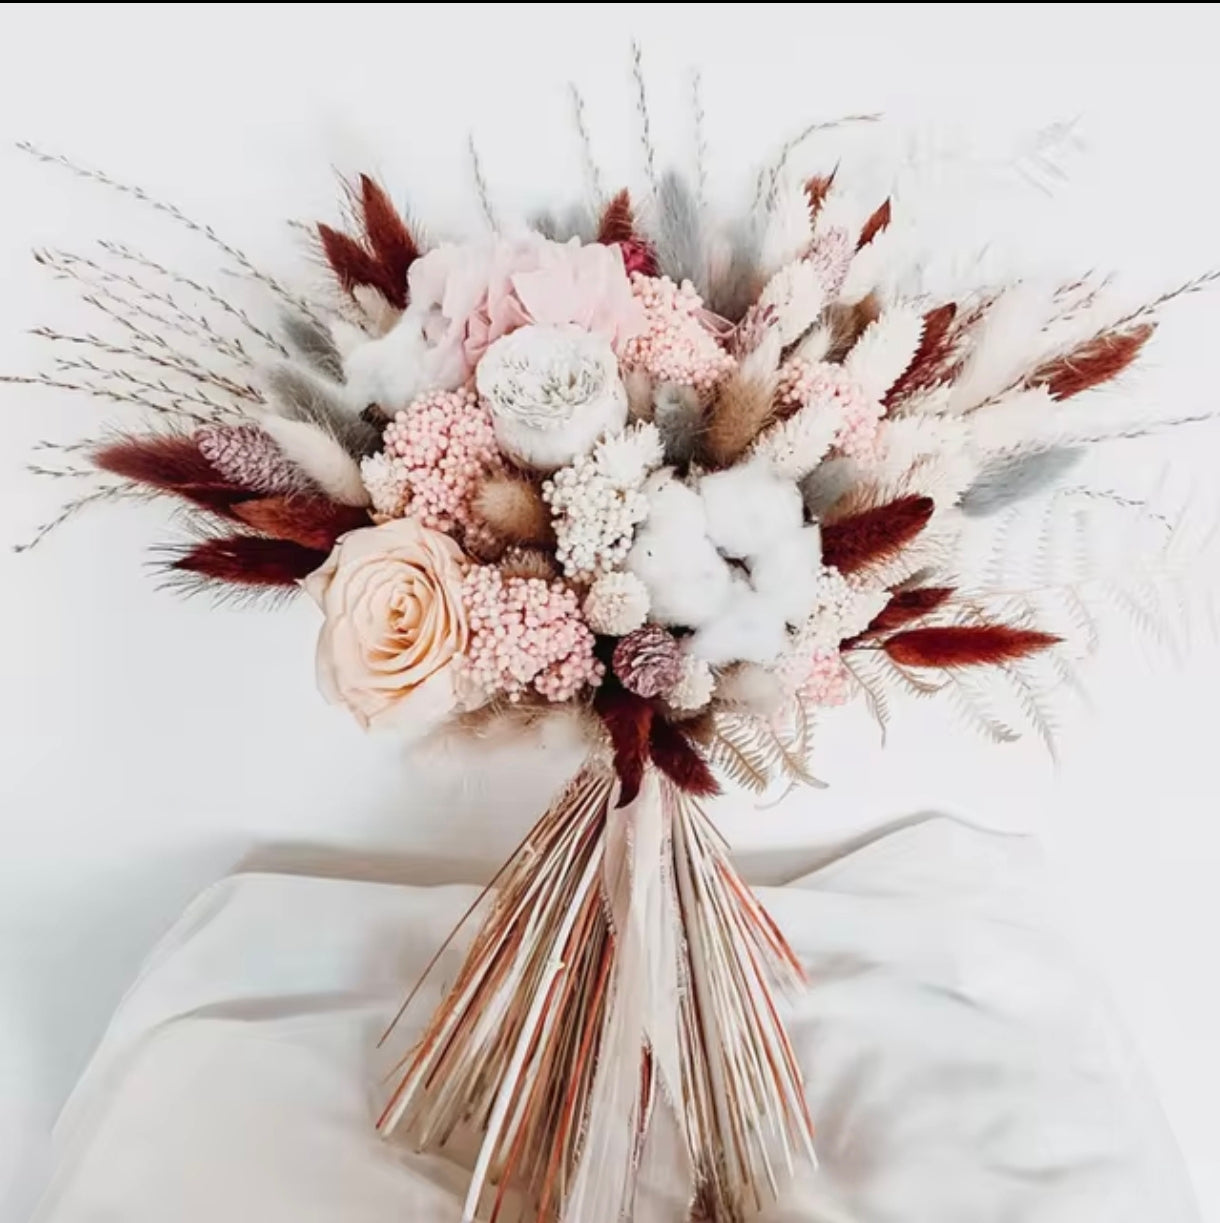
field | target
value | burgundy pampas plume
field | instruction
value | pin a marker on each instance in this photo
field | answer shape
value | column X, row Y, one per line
column 388, row 236
column 617, row 228
column 674, row 754
column 876, row 534
column 967, row 645
column 817, row 189
column 617, row 222
column 352, row 265
column 381, row 261
column 879, row 221
column 249, row 560
column 1092, row 363
column 628, row 721
column 930, row 357
column 907, row 605
column 515, row 511
column 170, row 463
column 313, row 522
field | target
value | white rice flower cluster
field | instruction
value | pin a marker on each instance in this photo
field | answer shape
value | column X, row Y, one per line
column 617, row 604
column 695, row 685
column 837, row 611
column 597, row 503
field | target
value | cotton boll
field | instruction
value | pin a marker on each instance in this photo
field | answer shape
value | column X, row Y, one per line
column 398, row 367
column 674, row 504
column 788, row 572
column 688, row 581
column 750, row 628
column 747, row 507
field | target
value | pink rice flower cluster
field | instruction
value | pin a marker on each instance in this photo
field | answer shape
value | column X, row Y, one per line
column 806, row 383
column 525, row 633
column 820, row 677
column 675, row 345
column 438, row 451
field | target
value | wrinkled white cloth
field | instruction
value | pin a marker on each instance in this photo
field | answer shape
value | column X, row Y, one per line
column 961, row 1067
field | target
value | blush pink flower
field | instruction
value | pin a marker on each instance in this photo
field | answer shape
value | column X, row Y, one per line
column 395, row 624
column 467, row 296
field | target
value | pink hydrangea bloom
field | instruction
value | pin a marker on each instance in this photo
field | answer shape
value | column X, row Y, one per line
column 676, row 344
column 525, row 633
column 437, row 453
column 467, row 296
column 818, row 384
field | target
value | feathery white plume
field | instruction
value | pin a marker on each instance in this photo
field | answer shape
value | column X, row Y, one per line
column 787, row 230
column 794, row 447
column 795, row 295
column 319, row 456
column 1015, row 421
column 881, row 355
column 1001, row 345
column 814, row 347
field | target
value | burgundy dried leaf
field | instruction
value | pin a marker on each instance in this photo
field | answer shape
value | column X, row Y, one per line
column 875, row 534
column 249, row 560
column 628, row 721
column 1092, row 363
column 879, row 221
column 678, row 758
column 617, row 222
column 967, row 645
column 930, row 357
column 817, row 189
column 170, row 464
column 314, row 522
column 389, row 239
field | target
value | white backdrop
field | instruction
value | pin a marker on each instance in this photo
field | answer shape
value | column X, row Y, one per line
column 150, row 745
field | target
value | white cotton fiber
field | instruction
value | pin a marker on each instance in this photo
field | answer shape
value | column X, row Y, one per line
column 749, row 629
column 749, row 506
column 395, row 369
column 787, row 572
column 688, row 581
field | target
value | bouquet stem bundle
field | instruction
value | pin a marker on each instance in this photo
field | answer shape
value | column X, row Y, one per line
column 623, row 966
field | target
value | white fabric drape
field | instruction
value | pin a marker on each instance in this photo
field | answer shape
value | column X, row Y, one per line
column 961, row 1066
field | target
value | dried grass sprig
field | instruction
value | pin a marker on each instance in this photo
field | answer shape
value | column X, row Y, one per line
column 240, row 261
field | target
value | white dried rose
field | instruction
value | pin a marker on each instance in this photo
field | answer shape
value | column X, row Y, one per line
column 552, row 392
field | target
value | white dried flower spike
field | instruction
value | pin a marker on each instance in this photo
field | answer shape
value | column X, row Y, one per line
column 628, row 458
column 594, row 521
column 617, row 604
column 695, row 685
column 552, row 392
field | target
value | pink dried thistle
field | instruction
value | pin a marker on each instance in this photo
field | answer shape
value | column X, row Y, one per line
column 648, row 661
column 438, row 452
column 676, row 344
column 247, row 456
column 525, row 633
